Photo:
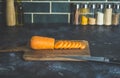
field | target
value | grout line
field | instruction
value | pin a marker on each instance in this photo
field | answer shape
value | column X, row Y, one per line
column 113, row 2
column 48, row 13
column 69, row 1
column 44, row 1
column 37, row 1
column 27, row 13
column 72, row 1
column 50, row 7
column 69, row 18
column 32, row 18
column 65, row 1
column 60, row 13
column 94, row 2
column 44, row 13
column 61, row 1
column 106, row 1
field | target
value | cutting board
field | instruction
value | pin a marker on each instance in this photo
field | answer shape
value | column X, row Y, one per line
column 56, row 54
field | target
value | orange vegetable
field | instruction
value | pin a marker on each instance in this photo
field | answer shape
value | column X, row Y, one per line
column 83, row 45
column 67, row 44
column 39, row 42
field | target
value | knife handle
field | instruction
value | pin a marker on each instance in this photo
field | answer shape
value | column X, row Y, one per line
column 114, row 60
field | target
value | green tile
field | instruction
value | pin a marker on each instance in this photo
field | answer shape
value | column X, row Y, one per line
column 35, row 7
column 50, row 18
column 27, row 18
column 60, row 7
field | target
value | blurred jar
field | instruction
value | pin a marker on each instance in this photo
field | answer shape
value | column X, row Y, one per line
column 92, row 19
column 99, row 15
column 108, row 15
column 84, row 11
column 115, row 16
column 76, row 16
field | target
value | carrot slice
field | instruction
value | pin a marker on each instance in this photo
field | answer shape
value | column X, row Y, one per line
column 58, row 44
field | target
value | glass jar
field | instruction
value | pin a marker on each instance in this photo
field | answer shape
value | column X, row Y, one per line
column 99, row 15
column 108, row 15
column 115, row 15
column 84, row 11
column 76, row 16
column 92, row 19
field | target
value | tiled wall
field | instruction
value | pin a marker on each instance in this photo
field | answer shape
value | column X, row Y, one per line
column 49, row 11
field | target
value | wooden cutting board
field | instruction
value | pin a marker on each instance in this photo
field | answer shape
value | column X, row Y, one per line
column 56, row 55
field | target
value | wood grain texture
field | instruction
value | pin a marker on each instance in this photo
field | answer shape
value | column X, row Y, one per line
column 56, row 55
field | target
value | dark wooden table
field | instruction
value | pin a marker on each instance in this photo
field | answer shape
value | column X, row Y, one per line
column 103, row 41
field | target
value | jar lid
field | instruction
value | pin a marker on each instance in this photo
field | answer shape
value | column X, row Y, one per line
column 109, row 6
column 117, row 6
column 100, row 6
column 93, row 6
column 77, row 6
column 85, row 6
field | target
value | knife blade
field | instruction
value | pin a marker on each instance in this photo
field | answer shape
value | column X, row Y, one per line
column 93, row 58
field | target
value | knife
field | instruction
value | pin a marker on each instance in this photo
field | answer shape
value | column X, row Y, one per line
column 95, row 59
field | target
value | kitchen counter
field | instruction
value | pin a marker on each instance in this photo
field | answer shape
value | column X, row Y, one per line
column 103, row 41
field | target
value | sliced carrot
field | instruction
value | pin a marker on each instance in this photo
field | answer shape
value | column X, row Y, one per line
column 58, row 44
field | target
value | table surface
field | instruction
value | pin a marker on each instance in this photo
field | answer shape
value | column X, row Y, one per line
column 103, row 41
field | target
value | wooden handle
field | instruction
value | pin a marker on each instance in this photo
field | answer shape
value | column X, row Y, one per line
column 10, row 13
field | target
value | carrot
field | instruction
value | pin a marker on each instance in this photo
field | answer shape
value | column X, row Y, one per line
column 39, row 42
